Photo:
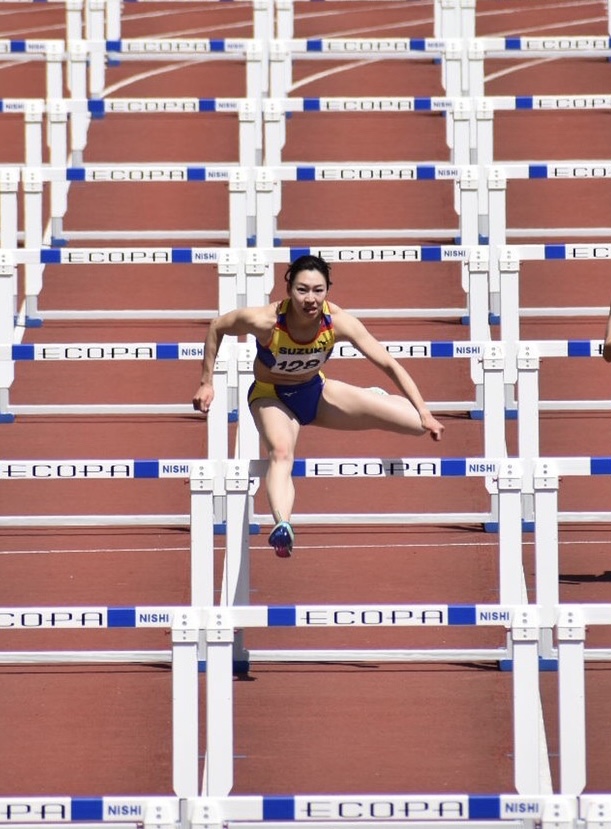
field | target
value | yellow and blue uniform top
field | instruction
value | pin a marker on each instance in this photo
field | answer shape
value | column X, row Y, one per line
column 285, row 356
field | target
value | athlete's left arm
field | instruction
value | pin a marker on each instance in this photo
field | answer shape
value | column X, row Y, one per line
column 350, row 328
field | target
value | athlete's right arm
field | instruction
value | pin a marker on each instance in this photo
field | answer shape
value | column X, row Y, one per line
column 235, row 323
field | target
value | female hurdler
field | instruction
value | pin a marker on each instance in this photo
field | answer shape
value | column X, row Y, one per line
column 294, row 338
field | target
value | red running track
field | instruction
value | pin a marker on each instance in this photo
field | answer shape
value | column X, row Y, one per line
column 95, row 729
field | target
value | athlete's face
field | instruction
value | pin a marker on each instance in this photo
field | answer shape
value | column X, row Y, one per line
column 308, row 292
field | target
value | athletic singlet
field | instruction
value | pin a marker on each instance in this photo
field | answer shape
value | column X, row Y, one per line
column 284, row 356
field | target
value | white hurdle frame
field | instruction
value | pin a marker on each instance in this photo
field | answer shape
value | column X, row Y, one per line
column 215, row 627
column 83, row 110
column 268, row 193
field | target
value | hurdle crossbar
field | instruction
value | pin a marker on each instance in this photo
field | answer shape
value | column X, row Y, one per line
column 415, row 810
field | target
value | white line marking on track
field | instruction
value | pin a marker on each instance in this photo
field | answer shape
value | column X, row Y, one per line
column 341, row 547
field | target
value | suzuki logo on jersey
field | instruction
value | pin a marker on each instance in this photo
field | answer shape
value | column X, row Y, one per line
column 310, row 350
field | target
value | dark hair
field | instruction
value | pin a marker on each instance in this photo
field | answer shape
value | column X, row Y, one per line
column 308, row 262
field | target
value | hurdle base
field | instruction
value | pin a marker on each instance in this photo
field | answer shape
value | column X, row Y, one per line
column 493, row 526
column 7, row 417
column 221, row 529
column 240, row 667
column 545, row 664
column 32, row 322
column 494, row 319
column 232, row 417
column 58, row 242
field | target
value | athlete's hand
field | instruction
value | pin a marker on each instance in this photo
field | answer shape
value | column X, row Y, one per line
column 432, row 425
column 203, row 398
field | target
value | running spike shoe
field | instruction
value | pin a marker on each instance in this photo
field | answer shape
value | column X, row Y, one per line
column 282, row 539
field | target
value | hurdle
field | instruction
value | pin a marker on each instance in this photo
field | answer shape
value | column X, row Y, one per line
column 509, row 259
column 82, row 110
column 268, row 194
column 51, row 51
column 110, row 28
column 59, row 178
column 33, row 110
column 282, row 52
column 417, row 810
column 215, row 627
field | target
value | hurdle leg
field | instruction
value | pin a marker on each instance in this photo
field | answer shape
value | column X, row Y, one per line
column 265, row 186
column 32, row 210
column 55, row 70
column 202, row 534
column 475, row 285
column 79, row 117
column 218, row 766
column 510, row 533
column 33, row 116
column 7, row 328
column 74, row 20
column 95, row 31
column 571, row 679
column 496, row 194
column 509, row 271
column 527, row 744
column 236, row 571
column 528, row 417
column 493, row 363
column 238, row 208
column 545, row 483
column 185, row 702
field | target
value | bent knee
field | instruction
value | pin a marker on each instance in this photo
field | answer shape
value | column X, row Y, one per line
column 281, row 454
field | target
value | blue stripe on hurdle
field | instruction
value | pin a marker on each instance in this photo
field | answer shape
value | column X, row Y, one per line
column 87, row 808
column 417, row 44
column 311, row 104
column 166, row 351
column 314, row 45
column 22, row 352
column 282, row 616
column 278, row 807
column 425, row 171
column 96, row 108
column 423, row 104
column 513, row 43
column 537, row 171
column 579, row 348
column 50, row 257
column 453, row 467
column 524, row 101
column 75, row 174
column 555, row 251
column 196, row 174
column 146, row 469
column 182, row 256
column 113, row 46
column 600, row 466
column 431, row 253
column 442, row 349
column 17, row 45
column 306, row 173
column 121, row 617
column 207, row 105
column 484, row 807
